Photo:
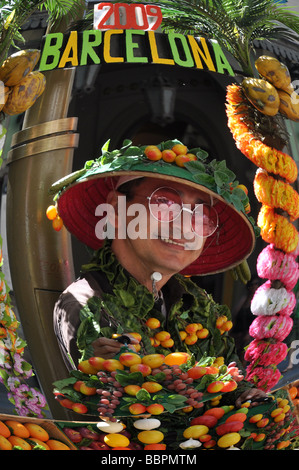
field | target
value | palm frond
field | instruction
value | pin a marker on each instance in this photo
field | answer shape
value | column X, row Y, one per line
column 14, row 13
column 59, row 8
column 235, row 24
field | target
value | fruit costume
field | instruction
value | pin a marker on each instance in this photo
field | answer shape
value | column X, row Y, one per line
column 127, row 304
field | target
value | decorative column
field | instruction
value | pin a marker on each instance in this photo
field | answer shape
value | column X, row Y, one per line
column 40, row 260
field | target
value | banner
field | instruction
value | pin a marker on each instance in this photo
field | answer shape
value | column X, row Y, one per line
column 132, row 46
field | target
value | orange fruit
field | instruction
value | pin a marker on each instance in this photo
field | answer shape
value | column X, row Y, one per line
column 144, row 369
column 136, row 335
column 54, row 444
column 51, row 212
column 132, row 389
column 202, row 333
column 168, row 155
column 162, row 335
column 4, row 430
column 153, row 360
column 153, row 323
column 237, row 417
column 179, row 149
column 152, row 387
column 37, row 431
column 121, row 448
column 197, row 372
column 153, row 152
column 293, row 392
column 17, row 429
column 155, row 447
column 176, row 358
column 57, row 223
column 19, row 442
column 112, row 364
column 4, row 443
column 137, row 409
column 183, row 334
column 155, row 409
column 87, row 368
column 39, row 443
column 191, row 339
column 182, row 159
column 168, row 343
column 242, row 186
column 192, row 328
column 129, row 359
column 217, row 412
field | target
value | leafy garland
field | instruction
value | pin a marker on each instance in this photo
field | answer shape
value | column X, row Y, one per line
column 131, row 304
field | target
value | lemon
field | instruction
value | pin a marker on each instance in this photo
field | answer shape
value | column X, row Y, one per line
column 150, row 437
column 116, row 440
column 195, row 431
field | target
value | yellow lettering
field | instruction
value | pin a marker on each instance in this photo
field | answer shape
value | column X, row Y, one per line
column 107, row 46
column 199, row 54
column 70, row 48
column 154, row 51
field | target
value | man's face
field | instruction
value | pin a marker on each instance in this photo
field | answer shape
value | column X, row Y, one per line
column 167, row 247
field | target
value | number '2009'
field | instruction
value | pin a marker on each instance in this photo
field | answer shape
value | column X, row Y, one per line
column 127, row 16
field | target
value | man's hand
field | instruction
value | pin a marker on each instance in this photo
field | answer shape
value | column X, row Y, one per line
column 251, row 394
column 108, row 348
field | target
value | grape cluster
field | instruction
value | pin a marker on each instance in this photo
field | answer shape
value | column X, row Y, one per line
column 109, row 398
column 179, row 382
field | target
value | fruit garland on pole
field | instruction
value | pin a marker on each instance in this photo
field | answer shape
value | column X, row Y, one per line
column 22, row 84
column 22, row 87
column 249, row 105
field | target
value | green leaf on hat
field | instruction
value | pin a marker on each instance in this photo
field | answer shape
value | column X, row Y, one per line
column 200, row 153
column 195, row 166
column 237, row 202
column 238, row 192
column 221, row 178
column 204, row 179
column 105, row 147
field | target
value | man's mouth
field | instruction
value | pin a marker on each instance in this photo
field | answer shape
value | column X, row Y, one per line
column 172, row 242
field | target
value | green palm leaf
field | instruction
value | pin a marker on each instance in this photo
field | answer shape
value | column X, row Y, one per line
column 14, row 13
column 235, row 24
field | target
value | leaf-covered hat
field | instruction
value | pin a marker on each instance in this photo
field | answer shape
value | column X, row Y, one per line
column 78, row 195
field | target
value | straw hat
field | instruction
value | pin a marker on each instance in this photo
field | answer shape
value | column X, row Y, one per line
column 78, row 195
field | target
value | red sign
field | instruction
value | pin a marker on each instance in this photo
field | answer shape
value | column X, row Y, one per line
column 126, row 16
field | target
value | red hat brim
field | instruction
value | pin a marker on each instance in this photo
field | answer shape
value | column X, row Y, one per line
column 233, row 241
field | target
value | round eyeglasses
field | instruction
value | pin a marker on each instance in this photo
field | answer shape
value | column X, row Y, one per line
column 166, row 205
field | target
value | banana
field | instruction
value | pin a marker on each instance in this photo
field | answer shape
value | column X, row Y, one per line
column 233, row 274
column 24, row 95
column 17, row 66
column 243, row 272
column 240, row 275
column 244, row 267
column 66, row 180
column 275, row 72
column 262, row 94
column 289, row 105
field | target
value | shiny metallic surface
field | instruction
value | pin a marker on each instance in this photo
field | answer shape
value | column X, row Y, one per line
column 40, row 259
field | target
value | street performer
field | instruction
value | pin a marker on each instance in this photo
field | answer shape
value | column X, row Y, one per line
column 153, row 217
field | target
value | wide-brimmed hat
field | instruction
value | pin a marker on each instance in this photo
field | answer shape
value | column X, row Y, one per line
column 80, row 193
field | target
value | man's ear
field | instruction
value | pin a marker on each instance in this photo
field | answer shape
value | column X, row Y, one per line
column 117, row 202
